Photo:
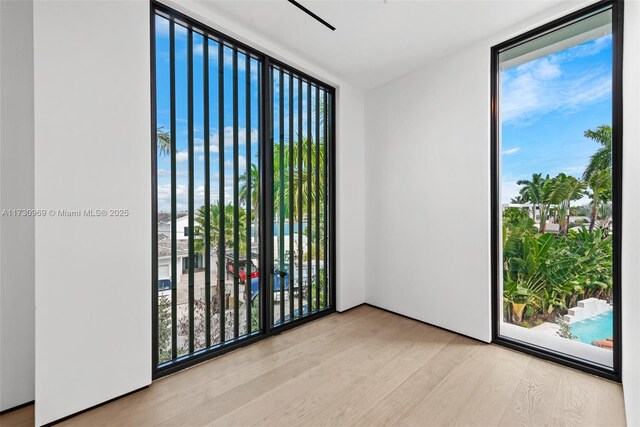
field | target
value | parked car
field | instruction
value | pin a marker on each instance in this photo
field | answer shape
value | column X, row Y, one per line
column 164, row 287
column 242, row 267
column 284, row 276
column 255, row 287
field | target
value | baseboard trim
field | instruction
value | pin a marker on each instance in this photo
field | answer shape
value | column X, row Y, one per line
column 75, row 414
column 15, row 408
column 352, row 308
column 426, row 323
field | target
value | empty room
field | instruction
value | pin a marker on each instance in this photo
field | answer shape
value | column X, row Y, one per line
column 319, row 213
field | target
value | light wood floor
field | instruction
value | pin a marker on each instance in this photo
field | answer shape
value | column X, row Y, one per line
column 366, row 367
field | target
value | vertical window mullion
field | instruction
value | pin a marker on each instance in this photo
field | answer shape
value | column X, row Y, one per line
column 299, row 201
column 281, row 192
column 221, row 225
column 249, row 176
column 317, row 201
column 236, row 228
column 331, row 189
column 263, row 200
column 325, row 206
column 191, row 256
column 155, row 292
column 291, row 193
column 207, row 197
column 269, row 223
column 174, row 234
column 308, row 178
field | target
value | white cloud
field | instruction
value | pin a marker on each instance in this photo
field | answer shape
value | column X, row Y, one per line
column 228, row 136
column 182, row 156
column 540, row 87
column 546, row 70
column 587, row 49
column 242, row 160
column 526, row 97
column 213, row 146
column 510, row 151
column 164, row 197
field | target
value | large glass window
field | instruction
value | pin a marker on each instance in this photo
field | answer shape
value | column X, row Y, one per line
column 556, row 145
column 301, row 137
column 229, row 267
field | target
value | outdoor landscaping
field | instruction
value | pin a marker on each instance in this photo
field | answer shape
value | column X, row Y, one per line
column 556, row 254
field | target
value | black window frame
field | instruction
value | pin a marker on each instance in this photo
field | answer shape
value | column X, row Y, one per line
column 265, row 198
column 614, row 373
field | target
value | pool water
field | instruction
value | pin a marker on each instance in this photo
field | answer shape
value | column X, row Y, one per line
column 599, row 327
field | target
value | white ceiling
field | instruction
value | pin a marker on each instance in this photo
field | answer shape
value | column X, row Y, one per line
column 377, row 41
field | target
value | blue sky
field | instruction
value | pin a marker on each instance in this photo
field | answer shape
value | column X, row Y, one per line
column 164, row 110
column 546, row 105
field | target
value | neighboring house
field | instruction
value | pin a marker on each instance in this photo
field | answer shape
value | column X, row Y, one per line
column 182, row 242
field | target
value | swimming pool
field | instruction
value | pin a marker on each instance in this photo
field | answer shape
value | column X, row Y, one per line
column 599, row 327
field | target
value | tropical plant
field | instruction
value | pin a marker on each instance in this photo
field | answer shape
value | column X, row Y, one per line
column 199, row 318
column 562, row 191
column 214, row 228
column 601, row 159
column 251, row 181
column 546, row 273
column 604, row 219
column 539, row 192
column 517, row 294
column 600, row 183
column 164, row 142
column 255, row 314
column 164, row 329
column 565, row 329
column 286, row 168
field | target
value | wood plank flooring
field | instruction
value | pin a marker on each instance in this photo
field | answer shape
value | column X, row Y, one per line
column 365, row 367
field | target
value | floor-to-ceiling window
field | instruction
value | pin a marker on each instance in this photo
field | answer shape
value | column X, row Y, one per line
column 556, row 142
column 301, row 137
column 243, row 199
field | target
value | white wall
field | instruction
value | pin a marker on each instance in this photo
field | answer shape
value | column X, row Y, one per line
column 630, row 223
column 17, row 288
column 349, row 147
column 427, row 223
column 350, row 171
column 427, row 189
column 92, row 136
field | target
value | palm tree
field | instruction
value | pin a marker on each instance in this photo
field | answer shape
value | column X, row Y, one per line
column 600, row 185
column 562, row 191
column 253, row 183
column 298, row 191
column 164, row 142
column 214, row 228
column 532, row 192
column 601, row 159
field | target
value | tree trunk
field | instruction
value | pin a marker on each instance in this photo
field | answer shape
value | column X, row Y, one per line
column 594, row 215
column 564, row 220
